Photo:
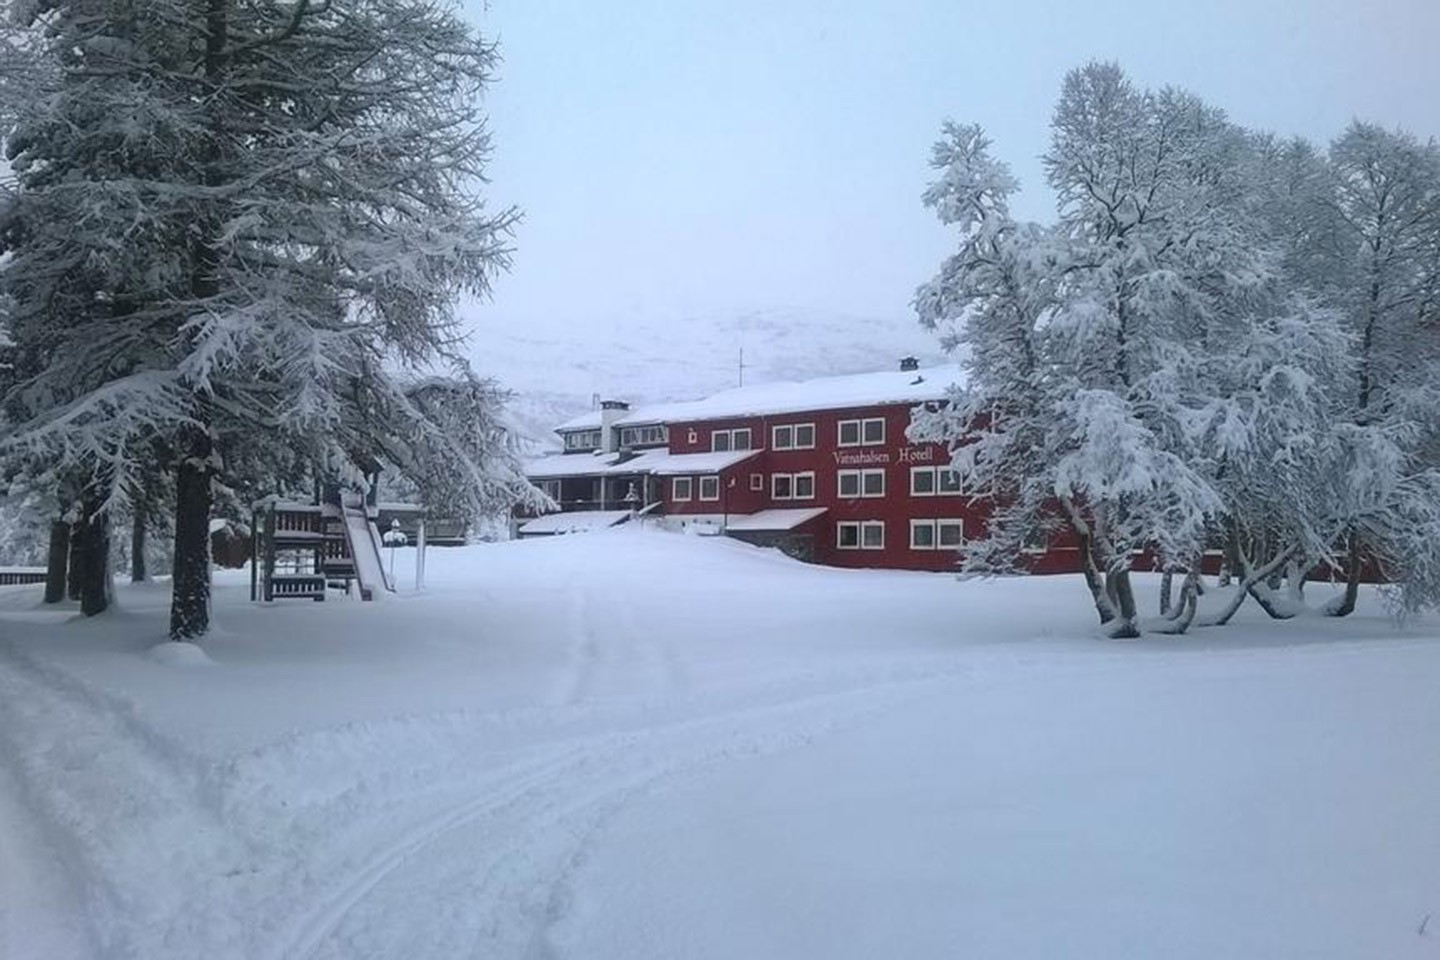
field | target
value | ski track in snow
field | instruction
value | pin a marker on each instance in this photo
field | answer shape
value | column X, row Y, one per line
column 348, row 841
column 115, row 793
column 500, row 860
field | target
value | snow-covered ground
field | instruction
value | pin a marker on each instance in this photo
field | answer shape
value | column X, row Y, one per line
column 631, row 744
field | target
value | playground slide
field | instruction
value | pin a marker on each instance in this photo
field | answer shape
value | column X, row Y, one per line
column 364, row 543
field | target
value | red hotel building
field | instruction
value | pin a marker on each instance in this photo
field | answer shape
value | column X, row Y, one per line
column 821, row 469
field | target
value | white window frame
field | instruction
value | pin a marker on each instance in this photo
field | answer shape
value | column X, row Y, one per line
column 757, row 482
column 582, row 440
column 866, row 476
column 714, row 481
column 840, row 529
column 794, row 479
column 639, row 436
column 860, row 477
column 860, row 425
column 946, row 522
column 731, row 436
column 675, row 488
column 866, row 526
column 1031, row 549
column 551, row 489
column 794, row 433
column 915, row 474
column 935, row 526
column 936, row 488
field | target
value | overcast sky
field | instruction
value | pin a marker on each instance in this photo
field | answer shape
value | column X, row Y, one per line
column 681, row 159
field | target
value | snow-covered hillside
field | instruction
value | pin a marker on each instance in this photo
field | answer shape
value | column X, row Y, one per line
column 556, row 367
column 642, row 745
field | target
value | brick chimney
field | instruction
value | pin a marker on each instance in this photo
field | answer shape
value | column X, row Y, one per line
column 909, row 363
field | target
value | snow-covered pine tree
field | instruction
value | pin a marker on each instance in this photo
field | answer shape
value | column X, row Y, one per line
column 279, row 203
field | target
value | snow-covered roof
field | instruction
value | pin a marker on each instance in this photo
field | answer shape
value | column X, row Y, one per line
column 768, row 520
column 823, row 393
column 569, row 465
column 660, row 463
column 576, row 522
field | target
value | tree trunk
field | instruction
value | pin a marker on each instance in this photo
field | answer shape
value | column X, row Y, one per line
column 1167, row 589
column 95, row 558
column 1124, row 626
column 1346, row 606
column 1093, row 578
column 1184, row 613
column 190, row 590
column 190, row 599
column 78, row 544
column 58, row 561
column 137, row 542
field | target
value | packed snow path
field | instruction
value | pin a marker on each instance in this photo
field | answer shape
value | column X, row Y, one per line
column 638, row 745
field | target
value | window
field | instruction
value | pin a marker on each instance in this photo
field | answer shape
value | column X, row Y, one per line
column 792, row 486
column 937, row 534
column 862, row 483
column 582, row 440
column 641, row 436
column 691, row 436
column 738, row 439
column 709, row 488
column 793, row 436
column 757, row 481
column 862, row 433
column 680, row 488
column 872, row 535
column 934, row 481
column 860, row 535
column 551, row 488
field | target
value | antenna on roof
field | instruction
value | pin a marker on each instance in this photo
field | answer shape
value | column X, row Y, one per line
column 742, row 367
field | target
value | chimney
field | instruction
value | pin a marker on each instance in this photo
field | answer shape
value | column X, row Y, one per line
column 909, row 363
column 610, row 412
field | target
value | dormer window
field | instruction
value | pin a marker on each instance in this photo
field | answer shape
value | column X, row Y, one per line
column 578, row 440
column 644, row 436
